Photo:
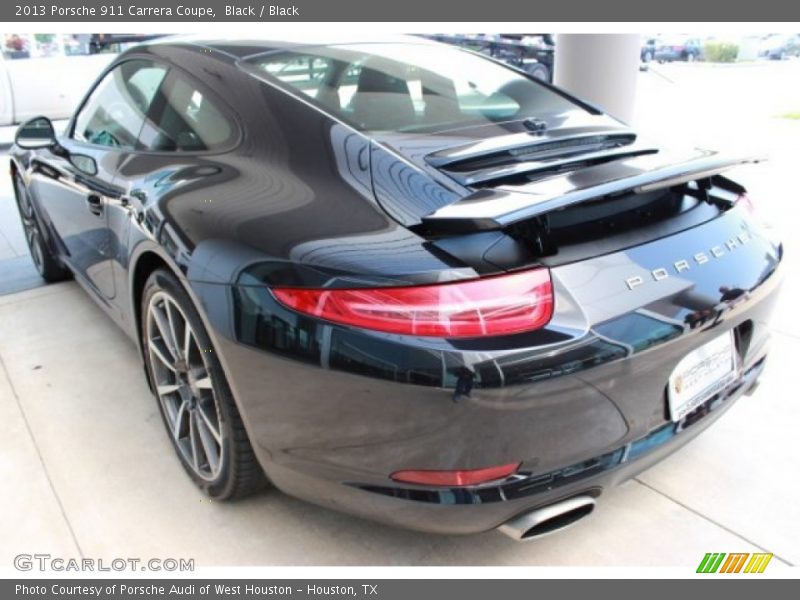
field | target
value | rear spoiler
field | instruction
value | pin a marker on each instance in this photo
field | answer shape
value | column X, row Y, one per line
column 493, row 209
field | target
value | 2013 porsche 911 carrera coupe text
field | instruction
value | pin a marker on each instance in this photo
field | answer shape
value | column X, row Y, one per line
column 400, row 279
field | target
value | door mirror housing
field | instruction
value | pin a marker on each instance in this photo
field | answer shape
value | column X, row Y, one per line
column 36, row 133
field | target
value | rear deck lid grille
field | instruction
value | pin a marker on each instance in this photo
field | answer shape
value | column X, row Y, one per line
column 478, row 166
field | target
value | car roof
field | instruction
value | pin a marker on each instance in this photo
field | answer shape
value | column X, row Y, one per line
column 248, row 45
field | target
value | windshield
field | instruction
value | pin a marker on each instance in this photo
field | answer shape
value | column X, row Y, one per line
column 409, row 87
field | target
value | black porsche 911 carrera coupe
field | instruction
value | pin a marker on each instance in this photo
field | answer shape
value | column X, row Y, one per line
column 401, row 279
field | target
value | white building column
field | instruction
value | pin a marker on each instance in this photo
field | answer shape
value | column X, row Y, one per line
column 600, row 68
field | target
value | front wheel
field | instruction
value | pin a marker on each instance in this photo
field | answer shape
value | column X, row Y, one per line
column 196, row 403
column 47, row 264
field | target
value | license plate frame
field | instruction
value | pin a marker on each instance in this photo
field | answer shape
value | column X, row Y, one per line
column 701, row 374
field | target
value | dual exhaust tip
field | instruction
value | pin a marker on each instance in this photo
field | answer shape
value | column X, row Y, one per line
column 548, row 519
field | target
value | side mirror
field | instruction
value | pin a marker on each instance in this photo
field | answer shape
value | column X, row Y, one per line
column 36, row 133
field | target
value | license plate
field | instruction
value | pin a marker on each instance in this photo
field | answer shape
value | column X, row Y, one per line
column 701, row 374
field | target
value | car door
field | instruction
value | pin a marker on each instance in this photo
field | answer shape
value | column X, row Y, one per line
column 74, row 182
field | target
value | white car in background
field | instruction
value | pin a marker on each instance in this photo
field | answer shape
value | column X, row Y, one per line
column 48, row 74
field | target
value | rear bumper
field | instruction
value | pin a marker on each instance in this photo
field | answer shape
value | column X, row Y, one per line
column 526, row 491
column 333, row 438
column 581, row 404
column 477, row 509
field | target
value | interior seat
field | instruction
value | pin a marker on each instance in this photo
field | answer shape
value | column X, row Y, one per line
column 328, row 96
column 382, row 101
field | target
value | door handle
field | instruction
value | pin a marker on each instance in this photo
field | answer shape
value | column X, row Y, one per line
column 95, row 204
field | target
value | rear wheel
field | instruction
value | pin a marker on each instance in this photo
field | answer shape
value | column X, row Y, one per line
column 46, row 263
column 196, row 403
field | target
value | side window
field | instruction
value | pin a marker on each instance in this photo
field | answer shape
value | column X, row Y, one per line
column 185, row 119
column 114, row 112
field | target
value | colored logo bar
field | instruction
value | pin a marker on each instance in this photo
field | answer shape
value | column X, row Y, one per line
column 735, row 562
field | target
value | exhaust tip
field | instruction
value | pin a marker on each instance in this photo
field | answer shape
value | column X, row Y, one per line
column 548, row 519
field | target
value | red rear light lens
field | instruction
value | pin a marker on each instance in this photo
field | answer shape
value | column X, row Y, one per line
column 491, row 306
column 455, row 478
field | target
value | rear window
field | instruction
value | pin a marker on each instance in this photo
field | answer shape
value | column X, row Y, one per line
column 409, row 87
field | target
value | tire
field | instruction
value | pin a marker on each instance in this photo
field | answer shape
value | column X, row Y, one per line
column 538, row 71
column 195, row 401
column 46, row 263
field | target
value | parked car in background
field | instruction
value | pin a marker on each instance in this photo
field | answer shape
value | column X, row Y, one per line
column 530, row 52
column 648, row 52
column 779, row 46
column 793, row 46
column 674, row 48
column 117, row 42
column 47, row 73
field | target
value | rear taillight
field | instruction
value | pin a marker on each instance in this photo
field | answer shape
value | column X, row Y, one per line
column 491, row 306
column 455, row 478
